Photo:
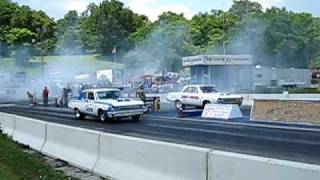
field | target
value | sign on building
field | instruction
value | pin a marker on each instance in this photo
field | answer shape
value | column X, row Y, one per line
column 217, row 60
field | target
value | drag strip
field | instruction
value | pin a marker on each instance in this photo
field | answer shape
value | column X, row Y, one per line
column 282, row 142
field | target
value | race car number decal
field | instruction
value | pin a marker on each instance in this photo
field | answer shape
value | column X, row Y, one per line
column 194, row 97
column 89, row 109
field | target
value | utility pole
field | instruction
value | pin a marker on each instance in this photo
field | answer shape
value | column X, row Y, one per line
column 223, row 30
column 114, row 51
column 224, row 47
column 41, row 32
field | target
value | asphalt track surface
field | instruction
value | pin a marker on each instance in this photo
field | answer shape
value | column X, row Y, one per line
column 276, row 140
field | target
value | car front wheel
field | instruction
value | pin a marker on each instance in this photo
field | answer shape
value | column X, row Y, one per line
column 136, row 118
column 205, row 103
column 102, row 117
column 179, row 105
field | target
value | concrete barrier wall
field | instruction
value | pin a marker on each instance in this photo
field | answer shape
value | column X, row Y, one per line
column 309, row 96
column 30, row 132
column 232, row 166
column 77, row 146
column 7, row 123
column 135, row 159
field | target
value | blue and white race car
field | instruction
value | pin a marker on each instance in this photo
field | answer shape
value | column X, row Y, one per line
column 106, row 104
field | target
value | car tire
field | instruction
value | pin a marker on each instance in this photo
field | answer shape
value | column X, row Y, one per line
column 136, row 118
column 78, row 114
column 205, row 103
column 102, row 117
column 179, row 106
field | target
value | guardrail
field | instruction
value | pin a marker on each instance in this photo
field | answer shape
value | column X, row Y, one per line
column 124, row 157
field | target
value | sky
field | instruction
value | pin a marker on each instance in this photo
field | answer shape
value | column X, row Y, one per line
column 153, row 8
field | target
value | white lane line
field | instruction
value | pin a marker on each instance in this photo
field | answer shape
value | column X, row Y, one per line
column 7, row 105
column 235, row 123
column 234, row 134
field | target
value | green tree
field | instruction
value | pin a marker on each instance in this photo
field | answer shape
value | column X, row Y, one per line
column 291, row 38
column 22, row 17
column 112, row 24
column 88, row 35
column 209, row 30
column 244, row 8
column 69, row 34
column 7, row 11
column 21, row 40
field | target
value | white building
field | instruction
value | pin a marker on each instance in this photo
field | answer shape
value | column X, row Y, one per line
column 237, row 72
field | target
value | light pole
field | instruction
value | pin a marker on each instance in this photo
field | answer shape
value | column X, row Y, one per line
column 224, row 47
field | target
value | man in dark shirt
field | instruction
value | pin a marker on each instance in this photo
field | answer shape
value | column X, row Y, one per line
column 45, row 96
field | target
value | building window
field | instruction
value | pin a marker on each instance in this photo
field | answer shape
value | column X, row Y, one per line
column 273, row 83
column 259, row 76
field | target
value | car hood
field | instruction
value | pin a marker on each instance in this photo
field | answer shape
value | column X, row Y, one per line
column 121, row 102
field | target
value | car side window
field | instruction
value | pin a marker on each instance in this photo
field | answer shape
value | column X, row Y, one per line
column 84, row 95
column 90, row 96
column 194, row 90
column 187, row 90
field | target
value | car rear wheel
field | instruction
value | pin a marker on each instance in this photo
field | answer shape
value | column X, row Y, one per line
column 78, row 114
column 179, row 105
column 136, row 118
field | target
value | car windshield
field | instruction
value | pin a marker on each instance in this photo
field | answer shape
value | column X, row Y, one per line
column 108, row 95
column 208, row 89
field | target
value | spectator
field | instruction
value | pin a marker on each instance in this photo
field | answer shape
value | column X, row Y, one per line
column 45, row 96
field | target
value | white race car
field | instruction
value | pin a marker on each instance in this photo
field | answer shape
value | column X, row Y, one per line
column 200, row 95
column 106, row 104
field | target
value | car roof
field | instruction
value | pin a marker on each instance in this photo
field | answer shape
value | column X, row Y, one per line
column 102, row 89
column 199, row 85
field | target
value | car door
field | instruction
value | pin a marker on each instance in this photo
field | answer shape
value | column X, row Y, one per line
column 185, row 95
column 82, row 102
column 89, row 103
column 194, row 96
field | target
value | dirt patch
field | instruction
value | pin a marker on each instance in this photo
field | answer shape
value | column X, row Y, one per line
column 67, row 169
column 297, row 111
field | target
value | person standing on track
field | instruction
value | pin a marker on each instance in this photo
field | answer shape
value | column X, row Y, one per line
column 45, row 96
column 140, row 93
column 31, row 99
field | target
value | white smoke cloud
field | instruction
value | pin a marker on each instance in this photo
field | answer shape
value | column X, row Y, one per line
column 269, row 3
column 147, row 7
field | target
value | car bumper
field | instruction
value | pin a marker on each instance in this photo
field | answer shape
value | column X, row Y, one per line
column 125, row 113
